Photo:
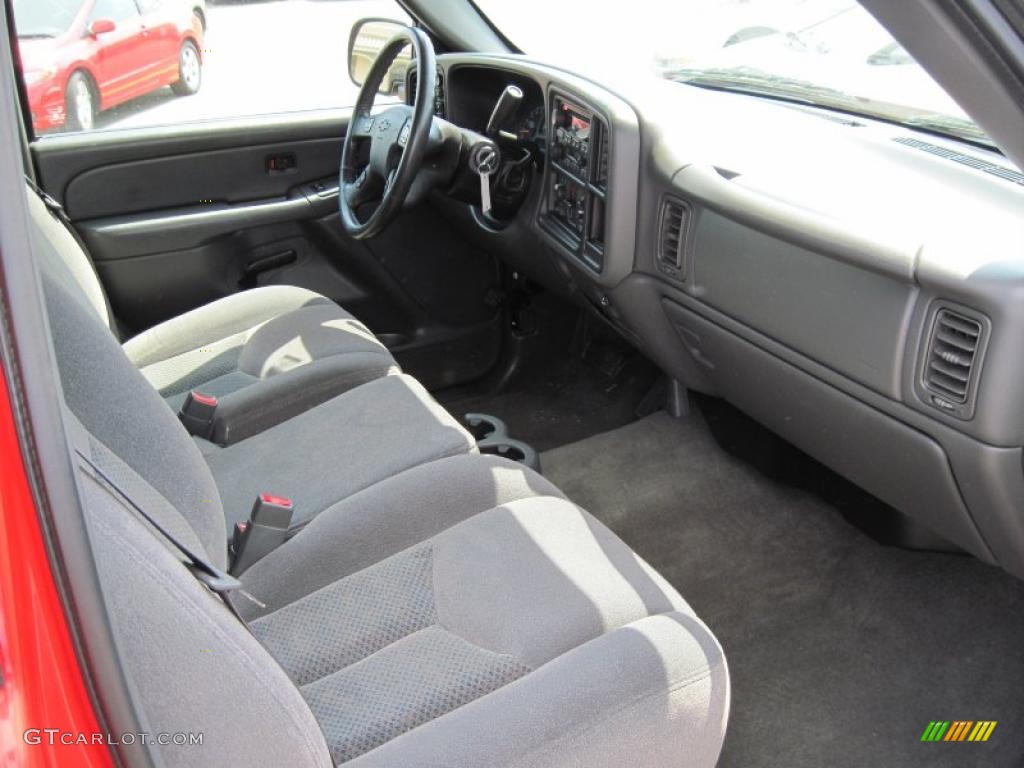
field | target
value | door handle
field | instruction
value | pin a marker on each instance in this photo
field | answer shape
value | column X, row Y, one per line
column 252, row 270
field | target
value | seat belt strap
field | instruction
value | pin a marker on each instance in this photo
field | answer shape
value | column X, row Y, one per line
column 213, row 578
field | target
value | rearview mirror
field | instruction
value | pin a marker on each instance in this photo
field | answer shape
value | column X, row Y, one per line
column 368, row 38
column 101, row 27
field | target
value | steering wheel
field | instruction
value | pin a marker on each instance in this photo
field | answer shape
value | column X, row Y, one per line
column 398, row 139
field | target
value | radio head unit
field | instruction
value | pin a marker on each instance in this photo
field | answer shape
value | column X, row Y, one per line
column 573, row 209
column 571, row 131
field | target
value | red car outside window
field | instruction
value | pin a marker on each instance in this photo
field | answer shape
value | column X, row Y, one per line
column 80, row 57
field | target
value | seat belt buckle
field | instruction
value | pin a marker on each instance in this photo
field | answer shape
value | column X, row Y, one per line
column 264, row 531
column 197, row 414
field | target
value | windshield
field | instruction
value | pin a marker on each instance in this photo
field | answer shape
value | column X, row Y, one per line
column 44, row 18
column 826, row 52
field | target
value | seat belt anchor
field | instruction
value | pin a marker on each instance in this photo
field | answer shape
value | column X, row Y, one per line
column 264, row 531
column 216, row 581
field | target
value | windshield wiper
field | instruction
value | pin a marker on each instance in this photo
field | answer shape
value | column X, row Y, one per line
column 757, row 83
column 949, row 124
column 36, row 35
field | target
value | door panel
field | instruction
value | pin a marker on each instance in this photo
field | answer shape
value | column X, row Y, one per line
column 192, row 178
column 175, row 218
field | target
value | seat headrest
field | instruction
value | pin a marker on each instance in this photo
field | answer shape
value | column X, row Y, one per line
column 66, row 261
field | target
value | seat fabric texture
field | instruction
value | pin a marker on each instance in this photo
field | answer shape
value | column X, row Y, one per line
column 384, row 519
column 524, row 603
column 267, row 353
column 337, row 448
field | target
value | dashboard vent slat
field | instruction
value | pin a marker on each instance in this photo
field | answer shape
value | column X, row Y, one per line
column 954, row 371
column 952, row 353
column 958, row 157
column 954, row 340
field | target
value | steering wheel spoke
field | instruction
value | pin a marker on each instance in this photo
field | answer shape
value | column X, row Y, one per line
column 366, row 188
column 398, row 139
column 361, row 126
column 389, row 182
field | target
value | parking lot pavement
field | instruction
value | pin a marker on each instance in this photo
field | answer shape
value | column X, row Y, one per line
column 262, row 58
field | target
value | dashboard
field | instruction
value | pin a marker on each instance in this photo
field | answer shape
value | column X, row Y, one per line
column 853, row 285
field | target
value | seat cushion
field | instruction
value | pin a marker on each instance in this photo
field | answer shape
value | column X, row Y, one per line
column 386, row 518
column 266, row 354
column 340, row 447
column 526, row 630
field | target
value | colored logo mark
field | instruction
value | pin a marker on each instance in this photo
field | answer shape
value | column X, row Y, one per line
column 958, row 730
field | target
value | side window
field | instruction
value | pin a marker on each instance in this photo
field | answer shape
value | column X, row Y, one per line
column 114, row 10
column 201, row 60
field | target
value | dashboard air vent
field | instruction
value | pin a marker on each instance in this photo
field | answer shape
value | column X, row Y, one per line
column 601, row 174
column 950, row 364
column 958, row 157
column 672, row 236
column 440, row 108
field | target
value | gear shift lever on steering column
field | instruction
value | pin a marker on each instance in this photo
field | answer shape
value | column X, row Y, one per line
column 507, row 105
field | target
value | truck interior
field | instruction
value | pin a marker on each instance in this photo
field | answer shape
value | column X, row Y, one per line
column 515, row 416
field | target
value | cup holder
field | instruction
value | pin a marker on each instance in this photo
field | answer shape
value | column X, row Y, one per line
column 483, row 426
column 514, row 450
column 491, row 435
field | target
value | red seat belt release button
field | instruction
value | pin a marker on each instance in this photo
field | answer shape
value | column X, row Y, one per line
column 197, row 414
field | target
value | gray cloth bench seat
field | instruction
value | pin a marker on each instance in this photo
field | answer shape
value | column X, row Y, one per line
column 447, row 610
column 525, row 634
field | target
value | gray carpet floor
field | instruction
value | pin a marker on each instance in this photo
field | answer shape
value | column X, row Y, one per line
column 841, row 650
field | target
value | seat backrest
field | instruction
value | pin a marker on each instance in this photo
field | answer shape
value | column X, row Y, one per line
column 70, row 264
column 120, row 409
column 191, row 666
